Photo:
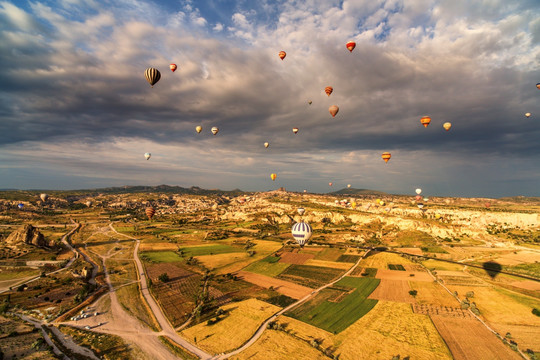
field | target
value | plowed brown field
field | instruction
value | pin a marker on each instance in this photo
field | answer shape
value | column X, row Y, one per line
column 403, row 275
column 393, row 290
column 295, row 258
column 283, row 287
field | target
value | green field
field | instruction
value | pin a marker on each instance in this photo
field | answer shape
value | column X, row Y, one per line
column 268, row 266
column 311, row 276
column 348, row 258
column 209, row 250
column 161, row 256
column 329, row 254
column 17, row 273
column 337, row 316
column 398, row 267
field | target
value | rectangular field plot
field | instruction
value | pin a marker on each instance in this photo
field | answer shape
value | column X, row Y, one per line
column 398, row 267
column 393, row 290
column 311, row 276
column 348, row 258
column 209, row 250
column 161, row 256
column 329, row 254
column 269, row 266
column 295, row 258
column 333, row 311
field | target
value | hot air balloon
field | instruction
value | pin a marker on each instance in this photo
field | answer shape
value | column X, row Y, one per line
column 150, row 211
column 215, row 130
column 198, row 129
column 20, row 206
column 173, row 67
column 386, row 156
column 353, row 205
column 538, row 86
column 302, row 232
column 418, row 191
column 273, row 177
column 266, row 144
column 426, row 199
column 301, row 211
column 328, row 90
column 310, row 102
column 295, row 130
column 282, row 55
column 333, row 110
column 348, row 185
column 44, row 197
column 447, row 126
column 350, row 45
column 305, row 190
column 487, row 204
column 425, row 120
column 152, row 76
column 528, row 114
column 437, row 216
column 330, row 183
column 147, row 156
column 418, row 198
column 88, row 203
column 420, row 206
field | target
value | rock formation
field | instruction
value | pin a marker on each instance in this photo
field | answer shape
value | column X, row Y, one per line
column 28, row 235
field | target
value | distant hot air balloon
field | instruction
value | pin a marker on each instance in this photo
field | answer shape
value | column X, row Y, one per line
column 382, row 203
column 348, row 185
column 528, row 114
column 487, row 204
column 310, row 102
column 420, row 206
column 418, row 198
column 266, row 144
column 150, row 211
column 88, row 203
column 20, row 206
column 173, row 67
column 330, row 183
column 538, row 86
column 437, row 216
column 198, row 129
column 328, row 90
column 447, row 126
column 282, row 55
column 295, row 130
column 273, row 177
column 353, row 205
column 305, row 190
column 152, row 76
column 302, row 232
column 386, row 156
column 147, row 155
column 418, row 191
column 215, row 130
column 333, row 110
column 44, row 197
column 426, row 199
column 350, row 45
column 301, row 211
column 425, row 120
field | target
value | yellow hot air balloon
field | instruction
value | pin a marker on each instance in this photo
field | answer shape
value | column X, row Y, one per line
column 328, row 90
column 528, row 114
column 295, row 130
column 198, row 129
column 348, row 185
column 425, row 120
column 333, row 110
column 215, row 130
column 273, row 177
column 437, row 216
column 282, row 55
column 386, row 156
column 266, row 144
column 152, row 76
column 353, row 205
column 447, row 126
column 310, row 102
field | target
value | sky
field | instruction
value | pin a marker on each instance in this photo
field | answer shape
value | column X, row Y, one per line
column 76, row 111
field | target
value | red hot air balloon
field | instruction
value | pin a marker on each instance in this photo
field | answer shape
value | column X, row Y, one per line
column 282, row 55
column 350, row 45
column 173, row 67
column 328, row 90
column 425, row 120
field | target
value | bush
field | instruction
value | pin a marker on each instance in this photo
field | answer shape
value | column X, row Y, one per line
column 164, row 277
column 413, row 292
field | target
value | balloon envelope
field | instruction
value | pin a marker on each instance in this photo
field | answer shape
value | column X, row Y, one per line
column 152, row 76
column 215, row 130
column 147, row 155
column 44, row 197
column 282, row 55
column 348, row 185
column 334, row 109
column 386, row 156
column 301, row 211
column 447, row 126
column 20, row 206
column 295, row 130
column 418, row 191
column 538, row 86
column 150, row 211
column 425, row 121
column 330, row 183
column 328, row 90
column 528, row 114
column 198, row 129
column 310, row 102
column 266, row 144
column 350, row 45
column 273, row 177
column 173, row 67
column 302, row 232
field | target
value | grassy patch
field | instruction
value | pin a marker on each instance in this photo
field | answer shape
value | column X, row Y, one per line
column 177, row 349
column 531, row 269
column 105, row 346
column 17, row 273
column 398, row 267
column 209, row 250
column 329, row 254
column 311, row 276
column 161, row 256
column 348, row 258
column 130, row 298
column 268, row 266
column 335, row 316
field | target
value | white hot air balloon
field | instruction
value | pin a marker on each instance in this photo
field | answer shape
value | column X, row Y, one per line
column 418, row 191
column 301, row 211
column 302, row 232
column 147, row 156
column 215, row 130
column 44, row 197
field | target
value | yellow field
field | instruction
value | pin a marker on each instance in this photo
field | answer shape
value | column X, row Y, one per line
column 235, row 329
column 432, row 293
column 158, row 247
column 278, row 345
column 441, row 265
column 389, row 329
column 382, row 259
column 329, row 264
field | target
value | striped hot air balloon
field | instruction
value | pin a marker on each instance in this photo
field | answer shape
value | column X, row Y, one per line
column 282, row 54
column 386, row 156
column 328, row 90
column 425, row 120
column 295, row 130
column 150, row 211
column 302, row 232
column 152, row 76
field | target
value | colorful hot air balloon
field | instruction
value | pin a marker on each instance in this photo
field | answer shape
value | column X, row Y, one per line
column 150, row 211
column 330, row 183
column 348, row 185
column 273, row 177
column 20, row 206
column 437, row 216
column 328, row 90
column 198, row 129
column 44, row 197
column 447, row 126
column 418, row 198
column 301, row 211
column 350, row 45
column 147, row 156
column 295, row 130
column 215, row 130
column 418, row 191
column 538, row 86
column 333, row 110
column 386, row 156
column 302, row 232
column 152, row 76
column 353, row 205
column 425, row 120
column 266, row 144
column 173, row 67
column 282, row 55
column 528, row 114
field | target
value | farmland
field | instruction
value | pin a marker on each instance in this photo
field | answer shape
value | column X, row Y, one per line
column 310, row 276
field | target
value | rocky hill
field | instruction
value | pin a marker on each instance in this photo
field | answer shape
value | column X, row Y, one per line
column 27, row 235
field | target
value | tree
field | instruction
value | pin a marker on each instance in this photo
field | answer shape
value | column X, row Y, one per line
column 164, row 277
column 413, row 293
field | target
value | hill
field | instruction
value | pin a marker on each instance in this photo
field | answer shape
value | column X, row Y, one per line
column 353, row 191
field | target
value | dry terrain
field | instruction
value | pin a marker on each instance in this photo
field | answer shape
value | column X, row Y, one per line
column 283, row 287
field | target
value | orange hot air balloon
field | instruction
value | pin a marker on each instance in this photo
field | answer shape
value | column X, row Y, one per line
column 150, row 211
column 386, row 156
column 447, row 126
column 350, row 45
column 333, row 110
column 273, row 177
column 173, row 67
column 425, row 120
column 328, row 90
column 295, row 130
column 330, row 183
column 282, row 55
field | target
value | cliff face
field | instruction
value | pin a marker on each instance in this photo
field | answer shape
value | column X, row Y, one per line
column 28, row 235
